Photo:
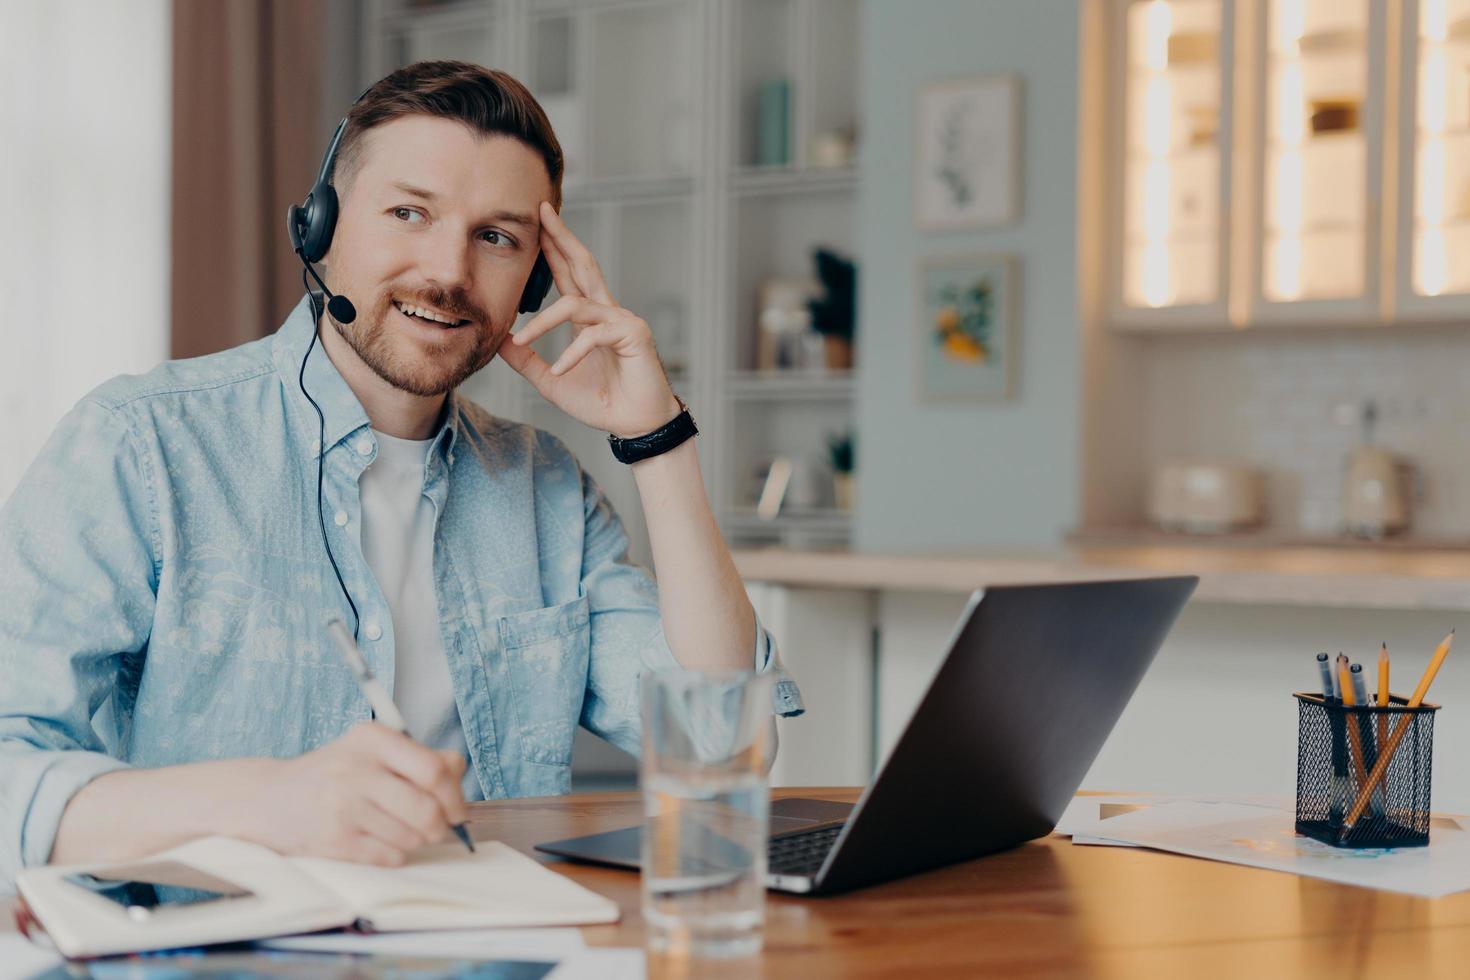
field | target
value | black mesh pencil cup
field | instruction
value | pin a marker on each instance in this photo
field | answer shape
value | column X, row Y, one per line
column 1341, row 750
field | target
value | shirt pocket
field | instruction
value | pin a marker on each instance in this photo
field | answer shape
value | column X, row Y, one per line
column 546, row 653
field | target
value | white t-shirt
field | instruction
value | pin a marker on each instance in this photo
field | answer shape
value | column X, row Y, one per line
column 398, row 542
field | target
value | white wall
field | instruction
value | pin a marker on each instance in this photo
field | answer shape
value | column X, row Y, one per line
column 84, row 261
column 955, row 478
column 1214, row 714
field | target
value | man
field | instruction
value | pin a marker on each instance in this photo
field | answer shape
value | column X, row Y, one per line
column 164, row 670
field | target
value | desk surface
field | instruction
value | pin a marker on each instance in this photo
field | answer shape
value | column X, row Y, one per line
column 1044, row 909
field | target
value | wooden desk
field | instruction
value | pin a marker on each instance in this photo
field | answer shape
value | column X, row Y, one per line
column 1046, row 909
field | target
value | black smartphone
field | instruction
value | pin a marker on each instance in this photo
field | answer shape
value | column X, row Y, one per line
column 143, row 889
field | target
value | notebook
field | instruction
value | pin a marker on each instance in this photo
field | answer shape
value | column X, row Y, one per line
column 440, row 887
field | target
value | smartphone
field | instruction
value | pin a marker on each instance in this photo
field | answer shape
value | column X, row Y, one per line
column 141, row 890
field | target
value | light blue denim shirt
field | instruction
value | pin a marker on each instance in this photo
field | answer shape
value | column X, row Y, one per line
column 165, row 587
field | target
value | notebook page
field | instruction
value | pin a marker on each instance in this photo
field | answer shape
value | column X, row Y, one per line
column 446, row 887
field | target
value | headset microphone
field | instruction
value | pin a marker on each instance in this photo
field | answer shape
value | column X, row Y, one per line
column 340, row 307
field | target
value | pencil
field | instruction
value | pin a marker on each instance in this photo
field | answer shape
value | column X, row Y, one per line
column 1383, row 676
column 1386, row 756
column 1383, row 695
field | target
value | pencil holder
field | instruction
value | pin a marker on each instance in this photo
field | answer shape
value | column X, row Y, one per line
column 1342, row 750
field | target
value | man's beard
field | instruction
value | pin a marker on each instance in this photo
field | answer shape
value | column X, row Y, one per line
column 441, row 370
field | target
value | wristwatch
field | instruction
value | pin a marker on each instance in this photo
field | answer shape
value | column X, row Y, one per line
column 657, row 442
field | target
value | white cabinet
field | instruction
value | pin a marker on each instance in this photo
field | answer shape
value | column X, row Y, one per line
column 1289, row 162
column 1173, row 71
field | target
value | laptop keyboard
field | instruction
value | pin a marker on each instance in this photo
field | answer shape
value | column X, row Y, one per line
column 801, row 854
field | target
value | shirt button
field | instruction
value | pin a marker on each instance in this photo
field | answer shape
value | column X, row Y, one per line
column 364, row 447
column 341, row 518
column 373, row 631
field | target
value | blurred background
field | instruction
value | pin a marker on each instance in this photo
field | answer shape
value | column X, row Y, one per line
column 1119, row 281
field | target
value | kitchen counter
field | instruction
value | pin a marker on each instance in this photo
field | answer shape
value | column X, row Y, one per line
column 1399, row 578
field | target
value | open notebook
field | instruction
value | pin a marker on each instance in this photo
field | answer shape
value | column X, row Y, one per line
column 441, row 887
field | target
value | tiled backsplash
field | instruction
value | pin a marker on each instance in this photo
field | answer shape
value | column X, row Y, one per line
column 1290, row 405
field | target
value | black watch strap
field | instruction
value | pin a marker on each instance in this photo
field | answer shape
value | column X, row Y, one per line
column 657, row 442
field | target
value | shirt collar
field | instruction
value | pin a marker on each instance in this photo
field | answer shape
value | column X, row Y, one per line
column 342, row 411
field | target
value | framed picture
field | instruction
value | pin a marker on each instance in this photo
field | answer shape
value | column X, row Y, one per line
column 967, row 345
column 968, row 154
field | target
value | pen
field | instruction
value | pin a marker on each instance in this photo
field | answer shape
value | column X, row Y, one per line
column 383, row 706
column 1360, row 757
column 1325, row 669
column 1360, row 687
column 1350, row 688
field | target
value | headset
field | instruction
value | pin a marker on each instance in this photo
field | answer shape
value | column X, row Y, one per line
column 310, row 225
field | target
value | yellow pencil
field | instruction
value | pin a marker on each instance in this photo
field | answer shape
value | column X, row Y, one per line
column 1383, row 676
column 1386, row 756
column 1383, row 694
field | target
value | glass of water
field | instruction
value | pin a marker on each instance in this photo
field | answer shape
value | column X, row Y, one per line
column 708, row 740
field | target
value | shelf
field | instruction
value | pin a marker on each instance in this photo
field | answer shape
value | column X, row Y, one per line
column 825, row 520
column 752, row 181
column 596, row 189
column 1273, row 233
column 790, row 385
column 457, row 14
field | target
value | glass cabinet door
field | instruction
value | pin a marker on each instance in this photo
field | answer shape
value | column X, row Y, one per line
column 1320, row 139
column 1434, row 201
column 1172, row 162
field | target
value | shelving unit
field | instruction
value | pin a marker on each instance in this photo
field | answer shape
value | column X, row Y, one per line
column 656, row 103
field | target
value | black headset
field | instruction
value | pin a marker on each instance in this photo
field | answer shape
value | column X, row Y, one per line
column 310, row 225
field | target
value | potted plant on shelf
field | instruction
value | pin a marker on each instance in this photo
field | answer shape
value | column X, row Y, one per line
column 840, row 454
column 833, row 313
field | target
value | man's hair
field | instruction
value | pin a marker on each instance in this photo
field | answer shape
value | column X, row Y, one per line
column 490, row 102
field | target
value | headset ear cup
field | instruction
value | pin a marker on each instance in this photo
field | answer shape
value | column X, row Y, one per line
column 321, row 221
column 537, row 286
column 295, row 221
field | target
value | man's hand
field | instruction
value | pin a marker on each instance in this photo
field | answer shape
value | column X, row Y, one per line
column 371, row 796
column 609, row 377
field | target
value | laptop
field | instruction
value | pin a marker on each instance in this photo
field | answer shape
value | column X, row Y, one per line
column 1032, row 683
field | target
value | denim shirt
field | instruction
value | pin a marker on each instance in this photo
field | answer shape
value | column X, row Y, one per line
column 165, row 587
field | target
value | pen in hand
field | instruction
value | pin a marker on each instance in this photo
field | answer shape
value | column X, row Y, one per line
column 383, row 706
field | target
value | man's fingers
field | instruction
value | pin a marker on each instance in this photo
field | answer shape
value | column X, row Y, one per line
column 382, row 825
column 575, row 256
column 367, row 849
column 425, row 769
column 420, row 809
column 527, row 363
column 561, row 269
column 547, row 320
column 585, row 342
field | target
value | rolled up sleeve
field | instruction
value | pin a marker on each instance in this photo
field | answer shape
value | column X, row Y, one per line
column 78, row 546
column 627, row 631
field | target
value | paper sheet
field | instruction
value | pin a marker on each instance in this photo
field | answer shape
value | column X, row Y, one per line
column 1086, row 819
column 1262, row 837
column 450, row 943
column 596, row 963
column 21, row 959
